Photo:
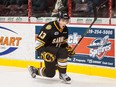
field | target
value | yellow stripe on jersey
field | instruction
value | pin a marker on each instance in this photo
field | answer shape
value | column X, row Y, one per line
column 62, row 63
column 57, row 27
column 40, row 40
column 39, row 46
column 62, row 66
column 62, row 60
column 41, row 43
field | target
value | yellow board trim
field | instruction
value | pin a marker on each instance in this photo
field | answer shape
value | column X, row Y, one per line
column 92, row 70
column 18, row 63
column 89, row 70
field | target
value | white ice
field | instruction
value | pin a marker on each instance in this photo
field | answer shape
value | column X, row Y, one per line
column 20, row 77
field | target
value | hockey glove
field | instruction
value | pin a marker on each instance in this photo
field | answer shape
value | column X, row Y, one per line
column 48, row 57
column 70, row 51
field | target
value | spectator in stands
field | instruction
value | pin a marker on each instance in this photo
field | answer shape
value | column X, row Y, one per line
column 1, row 7
column 79, row 8
column 58, row 5
column 6, row 2
column 39, row 7
column 13, row 2
column 23, row 7
column 114, row 8
column 61, row 6
column 77, row 1
column 1, row 2
column 25, row 1
column 90, row 7
column 19, row 2
column 65, row 4
column 103, row 10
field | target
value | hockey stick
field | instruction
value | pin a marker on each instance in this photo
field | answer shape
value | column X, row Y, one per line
column 95, row 18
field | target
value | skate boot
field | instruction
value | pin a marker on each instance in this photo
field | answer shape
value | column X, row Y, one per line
column 32, row 71
column 65, row 78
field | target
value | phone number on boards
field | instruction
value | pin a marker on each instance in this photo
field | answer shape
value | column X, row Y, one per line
column 109, row 32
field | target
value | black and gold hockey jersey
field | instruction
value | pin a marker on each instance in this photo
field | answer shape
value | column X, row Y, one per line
column 52, row 35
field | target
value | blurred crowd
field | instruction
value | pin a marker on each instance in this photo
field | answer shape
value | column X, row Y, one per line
column 51, row 8
column 13, row 7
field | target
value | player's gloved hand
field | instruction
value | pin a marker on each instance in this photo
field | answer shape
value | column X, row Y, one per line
column 49, row 57
column 70, row 51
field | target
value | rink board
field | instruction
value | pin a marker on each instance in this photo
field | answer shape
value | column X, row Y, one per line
column 97, row 47
column 95, row 55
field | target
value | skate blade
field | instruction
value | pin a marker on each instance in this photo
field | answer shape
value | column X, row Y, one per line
column 64, row 81
column 67, row 82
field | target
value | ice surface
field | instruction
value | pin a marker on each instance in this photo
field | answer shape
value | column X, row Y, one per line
column 20, row 77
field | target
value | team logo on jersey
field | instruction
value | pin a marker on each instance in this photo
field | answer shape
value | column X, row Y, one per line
column 99, row 47
column 48, row 27
column 56, row 33
column 58, row 40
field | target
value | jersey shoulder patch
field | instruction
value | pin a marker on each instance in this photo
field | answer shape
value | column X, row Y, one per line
column 48, row 27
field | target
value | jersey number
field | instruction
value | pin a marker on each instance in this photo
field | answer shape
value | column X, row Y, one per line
column 42, row 35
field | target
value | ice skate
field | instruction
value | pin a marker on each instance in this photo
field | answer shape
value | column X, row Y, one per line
column 32, row 71
column 65, row 78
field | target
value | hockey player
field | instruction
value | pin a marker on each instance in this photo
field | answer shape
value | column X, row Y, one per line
column 53, row 49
